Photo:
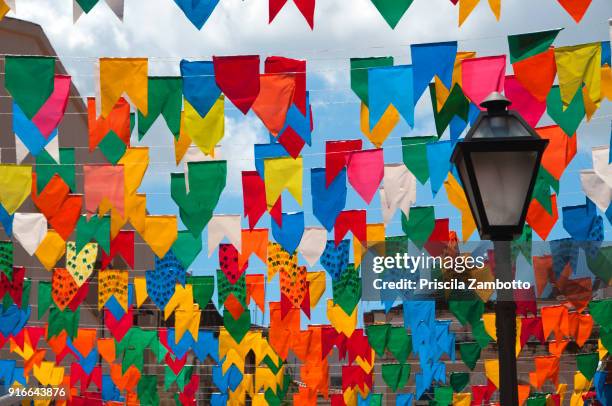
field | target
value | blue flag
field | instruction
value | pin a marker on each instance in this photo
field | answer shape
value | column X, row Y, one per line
column 199, row 85
column 429, row 60
column 327, row 202
column 197, row 11
column 290, row 234
column 390, row 85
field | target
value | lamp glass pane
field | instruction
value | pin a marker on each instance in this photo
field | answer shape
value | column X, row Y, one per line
column 501, row 126
column 503, row 179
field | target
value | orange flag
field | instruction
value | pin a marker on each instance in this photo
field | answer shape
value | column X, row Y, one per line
column 255, row 289
column 274, row 99
column 560, row 151
column 254, row 242
column 537, row 74
column 543, row 272
column 547, row 367
column 555, row 319
column 540, row 220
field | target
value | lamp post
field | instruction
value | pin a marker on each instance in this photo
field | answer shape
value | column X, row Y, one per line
column 498, row 163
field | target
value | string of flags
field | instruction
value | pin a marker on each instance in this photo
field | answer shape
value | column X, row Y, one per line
column 86, row 241
column 392, row 11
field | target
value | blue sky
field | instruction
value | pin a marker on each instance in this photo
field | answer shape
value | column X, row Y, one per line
column 343, row 29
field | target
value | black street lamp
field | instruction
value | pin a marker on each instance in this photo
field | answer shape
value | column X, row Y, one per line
column 498, row 163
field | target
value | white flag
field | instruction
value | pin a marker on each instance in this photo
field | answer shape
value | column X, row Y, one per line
column 596, row 189
column 221, row 226
column 29, row 229
column 313, row 244
column 398, row 191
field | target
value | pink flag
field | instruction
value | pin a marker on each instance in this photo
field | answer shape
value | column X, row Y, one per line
column 104, row 182
column 51, row 113
column 530, row 108
column 481, row 76
column 365, row 172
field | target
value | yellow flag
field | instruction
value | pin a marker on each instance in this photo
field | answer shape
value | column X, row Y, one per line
column 581, row 384
column 182, row 299
column 462, row 399
column 465, row 9
column 519, row 326
column 181, row 145
column 457, row 68
column 15, row 186
column 606, row 82
column 160, row 232
column 187, row 320
column 495, row 8
column 140, row 287
column 316, row 286
column 577, row 65
column 205, row 131
column 280, row 174
column 350, row 396
column 589, row 107
column 601, row 349
column 342, row 322
column 374, row 233
column 456, row 196
column 383, row 128
column 259, row 400
column 135, row 162
column 489, row 323
column 232, row 358
column 4, row 8
column 561, row 390
column 51, row 249
column 492, row 371
column 48, row 374
column 266, row 379
column 124, row 75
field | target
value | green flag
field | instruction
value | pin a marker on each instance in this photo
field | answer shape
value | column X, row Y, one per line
column 224, row 288
column 480, row 334
column 97, row 228
column 147, row 390
column 443, row 395
column 399, row 344
column 46, row 167
column 112, row 147
column 359, row 74
column 29, row 80
column 377, row 337
column 601, row 310
column 59, row 321
column 347, row 290
column 568, row 118
column 237, row 328
column 203, row 289
column 601, row 264
column 459, row 380
column 587, row 364
column 206, row 182
column 44, row 297
column 470, row 353
column 392, row 10
column 165, row 98
column 456, row 105
column 87, row 5
column 467, row 311
column 420, row 225
column 187, row 247
column 6, row 258
column 414, row 154
column 542, row 189
column 395, row 375
column 523, row 46
column 522, row 245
